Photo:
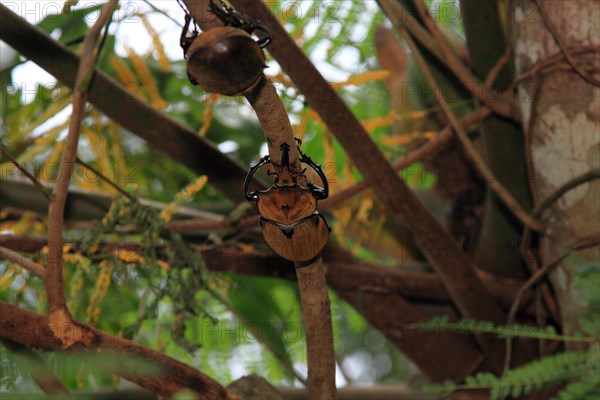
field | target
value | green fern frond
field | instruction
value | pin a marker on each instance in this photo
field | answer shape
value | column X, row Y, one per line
column 504, row 331
column 536, row 375
column 587, row 388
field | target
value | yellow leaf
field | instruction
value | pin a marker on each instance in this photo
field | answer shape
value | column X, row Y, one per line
column 315, row 116
column 9, row 276
column 163, row 60
column 148, row 81
column 363, row 211
column 22, row 288
column 49, row 171
column 300, row 129
column 245, row 248
column 377, row 122
column 167, row 213
column 41, row 144
column 192, row 188
column 126, row 76
column 59, row 103
column 100, row 289
column 164, row 265
column 362, row 78
column 401, row 139
column 129, row 256
column 207, row 116
column 68, row 5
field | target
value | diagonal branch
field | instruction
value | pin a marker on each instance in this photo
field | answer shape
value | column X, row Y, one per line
column 427, row 150
column 22, row 261
column 161, row 132
column 35, row 330
column 402, row 19
column 40, row 373
column 469, row 147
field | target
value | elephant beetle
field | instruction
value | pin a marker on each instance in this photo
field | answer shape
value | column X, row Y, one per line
column 301, row 241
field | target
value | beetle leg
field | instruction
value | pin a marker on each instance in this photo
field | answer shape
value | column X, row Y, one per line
column 320, row 193
column 184, row 40
column 253, row 196
column 266, row 39
column 226, row 14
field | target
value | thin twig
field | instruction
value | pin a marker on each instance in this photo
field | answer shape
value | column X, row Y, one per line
column 54, row 281
column 497, row 68
column 32, row 178
column 558, row 193
column 581, row 244
column 163, row 13
column 484, row 93
column 498, row 102
column 104, row 178
column 563, row 46
column 502, row 193
column 22, row 261
column 530, row 258
column 419, row 154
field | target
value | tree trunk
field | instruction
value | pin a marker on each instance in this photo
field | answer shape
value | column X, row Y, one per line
column 561, row 110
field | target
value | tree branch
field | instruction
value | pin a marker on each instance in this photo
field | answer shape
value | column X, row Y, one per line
column 427, row 150
column 40, row 373
column 22, row 261
column 161, row 132
column 53, row 281
column 563, row 46
column 470, row 149
column 35, row 330
column 488, row 96
column 453, row 266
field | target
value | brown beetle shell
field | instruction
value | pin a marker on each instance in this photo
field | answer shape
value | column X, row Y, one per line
column 286, row 204
column 301, row 241
column 225, row 60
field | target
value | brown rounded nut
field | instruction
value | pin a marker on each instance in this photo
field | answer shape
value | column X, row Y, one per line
column 225, row 60
column 301, row 241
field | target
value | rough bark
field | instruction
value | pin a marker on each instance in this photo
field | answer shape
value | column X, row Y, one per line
column 169, row 377
column 562, row 108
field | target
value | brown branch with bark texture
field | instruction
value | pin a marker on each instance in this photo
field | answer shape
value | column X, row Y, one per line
column 170, row 376
column 539, row 273
column 53, row 281
column 23, row 262
column 402, row 19
column 587, row 242
column 427, row 150
column 343, row 274
column 525, row 249
column 469, row 147
column 38, row 369
column 161, row 132
column 453, row 265
column 563, row 46
column 24, row 171
column 316, row 309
